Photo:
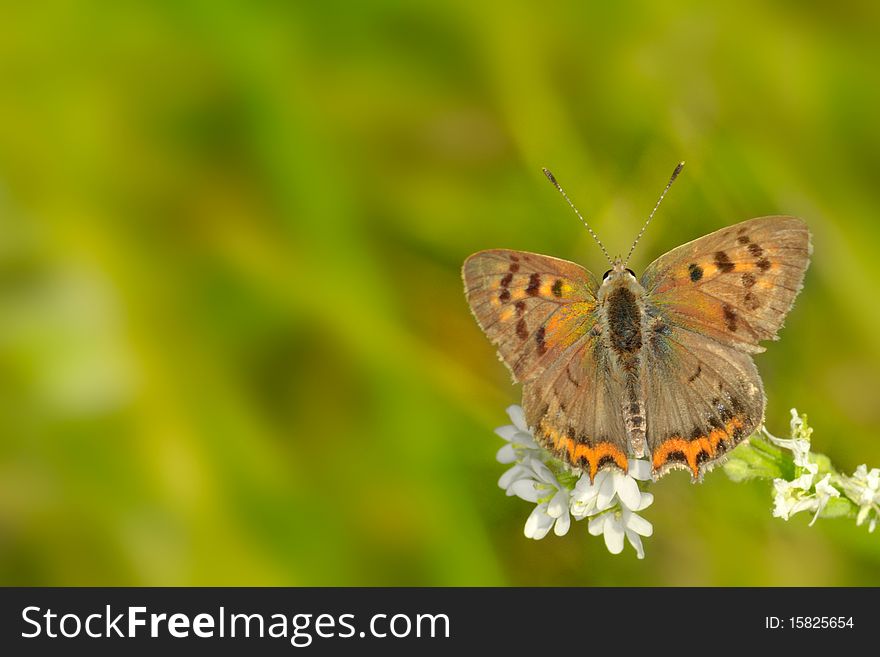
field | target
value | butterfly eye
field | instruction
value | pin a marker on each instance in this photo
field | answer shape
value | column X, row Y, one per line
column 632, row 273
column 605, row 275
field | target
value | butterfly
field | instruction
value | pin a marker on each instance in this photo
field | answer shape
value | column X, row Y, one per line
column 657, row 367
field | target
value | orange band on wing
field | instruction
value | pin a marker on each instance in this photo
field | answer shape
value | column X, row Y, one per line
column 691, row 448
column 578, row 451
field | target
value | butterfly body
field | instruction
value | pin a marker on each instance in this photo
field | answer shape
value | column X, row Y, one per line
column 658, row 366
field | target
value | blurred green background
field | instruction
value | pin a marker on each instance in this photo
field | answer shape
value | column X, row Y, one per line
column 234, row 347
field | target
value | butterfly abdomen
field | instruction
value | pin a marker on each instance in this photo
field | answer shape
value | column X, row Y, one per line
column 634, row 420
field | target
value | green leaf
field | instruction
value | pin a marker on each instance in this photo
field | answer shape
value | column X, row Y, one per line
column 757, row 459
column 839, row 507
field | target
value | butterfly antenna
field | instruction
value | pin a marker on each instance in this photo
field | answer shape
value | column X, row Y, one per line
column 657, row 205
column 552, row 179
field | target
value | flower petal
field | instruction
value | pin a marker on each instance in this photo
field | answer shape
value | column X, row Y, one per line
column 562, row 525
column 613, row 535
column 507, row 432
column 646, row 501
column 636, row 541
column 511, row 475
column 526, row 489
column 581, row 510
column 627, row 490
column 518, row 417
column 597, row 525
column 640, row 469
column 544, row 473
column 538, row 523
column 636, row 523
column 606, row 492
column 506, row 454
column 558, row 504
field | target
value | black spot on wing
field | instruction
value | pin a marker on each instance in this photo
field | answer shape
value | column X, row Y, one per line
column 534, row 285
column 557, row 287
column 539, row 340
column 722, row 261
column 730, row 318
column 695, row 272
column 677, row 456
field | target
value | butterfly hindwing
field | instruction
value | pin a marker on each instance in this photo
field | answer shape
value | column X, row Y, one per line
column 736, row 284
column 541, row 312
column 576, row 408
column 702, row 398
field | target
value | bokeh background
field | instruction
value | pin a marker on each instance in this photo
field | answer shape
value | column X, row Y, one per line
column 234, row 347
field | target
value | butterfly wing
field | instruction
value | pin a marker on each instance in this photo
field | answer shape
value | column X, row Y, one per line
column 710, row 302
column 734, row 285
column 541, row 312
column 701, row 399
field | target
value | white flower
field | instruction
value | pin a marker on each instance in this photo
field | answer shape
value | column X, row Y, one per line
column 824, row 492
column 793, row 496
column 864, row 489
column 614, row 496
column 623, row 522
column 558, row 508
column 520, row 446
column 539, row 485
column 869, row 483
column 609, row 488
column 519, row 438
column 539, row 523
column 799, row 443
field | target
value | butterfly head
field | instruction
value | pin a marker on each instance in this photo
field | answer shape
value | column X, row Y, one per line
column 619, row 276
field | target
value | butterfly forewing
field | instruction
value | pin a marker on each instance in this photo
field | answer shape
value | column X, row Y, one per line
column 734, row 285
column 531, row 306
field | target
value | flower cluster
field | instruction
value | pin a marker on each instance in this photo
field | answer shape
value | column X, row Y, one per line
column 610, row 501
column 864, row 489
column 805, row 480
column 802, row 493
